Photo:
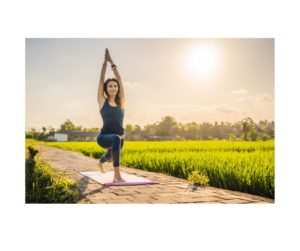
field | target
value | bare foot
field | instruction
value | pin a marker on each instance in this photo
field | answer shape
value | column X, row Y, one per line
column 102, row 169
column 119, row 180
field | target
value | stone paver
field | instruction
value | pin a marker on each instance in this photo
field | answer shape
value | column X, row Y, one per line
column 170, row 190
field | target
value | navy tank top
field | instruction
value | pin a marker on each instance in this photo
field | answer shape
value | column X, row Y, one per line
column 112, row 119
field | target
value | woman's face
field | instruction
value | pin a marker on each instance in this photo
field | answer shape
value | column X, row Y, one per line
column 112, row 88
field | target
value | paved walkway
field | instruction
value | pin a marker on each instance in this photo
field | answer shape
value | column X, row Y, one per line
column 170, row 189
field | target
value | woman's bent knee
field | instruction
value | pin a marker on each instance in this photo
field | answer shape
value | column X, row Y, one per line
column 103, row 141
column 117, row 138
column 107, row 141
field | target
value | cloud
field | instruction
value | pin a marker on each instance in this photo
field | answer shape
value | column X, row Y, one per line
column 239, row 92
column 223, row 108
column 73, row 105
column 185, row 118
column 264, row 99
column 185, row 107
column 132, row 85
column 240, row 99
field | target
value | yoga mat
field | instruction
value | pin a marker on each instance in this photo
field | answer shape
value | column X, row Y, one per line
column 107, row 178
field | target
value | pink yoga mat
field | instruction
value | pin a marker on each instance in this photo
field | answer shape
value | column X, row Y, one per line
column 107, row 179
column 129, row 183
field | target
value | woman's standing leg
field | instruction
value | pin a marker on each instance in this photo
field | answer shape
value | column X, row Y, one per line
column 108, row 154
column 115, row 142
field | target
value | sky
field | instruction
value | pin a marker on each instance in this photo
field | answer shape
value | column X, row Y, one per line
column 192, row 79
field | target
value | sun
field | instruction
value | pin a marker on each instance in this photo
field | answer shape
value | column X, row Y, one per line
column 202, row 61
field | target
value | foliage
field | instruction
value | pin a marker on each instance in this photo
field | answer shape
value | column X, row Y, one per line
column 246, row 129
column 198, row 178
column 236, row 165
column 44, row 184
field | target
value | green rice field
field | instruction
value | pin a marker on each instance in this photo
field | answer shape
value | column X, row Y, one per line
column 235, row 165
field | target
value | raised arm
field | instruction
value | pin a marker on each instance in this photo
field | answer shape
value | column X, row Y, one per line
column 100, row 96
column 118, row 77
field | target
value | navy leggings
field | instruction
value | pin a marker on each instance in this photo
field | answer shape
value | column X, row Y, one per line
column 114, row 144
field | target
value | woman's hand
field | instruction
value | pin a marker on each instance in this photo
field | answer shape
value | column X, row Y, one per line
column 106, row 55
column 109, row 57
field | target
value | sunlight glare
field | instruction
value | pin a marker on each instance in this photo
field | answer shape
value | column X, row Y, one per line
column 202, row 61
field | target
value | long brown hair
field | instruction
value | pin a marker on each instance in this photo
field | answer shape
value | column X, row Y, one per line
column 119, row 101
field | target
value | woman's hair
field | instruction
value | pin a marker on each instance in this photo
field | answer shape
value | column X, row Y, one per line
column 119, row 101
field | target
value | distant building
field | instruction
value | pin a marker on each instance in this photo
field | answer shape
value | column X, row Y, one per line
column 83, row 136
column 73, row 136
column 57, row 137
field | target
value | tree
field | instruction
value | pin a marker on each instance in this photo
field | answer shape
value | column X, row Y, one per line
column 44, row 129
column 165, row 127
column 129, row 128
column 67, row 126
column 205, row 130
column 231, row 137
column 264, row 137
column 51, row 129
column 33, row 132
column 136, row 129
column 192, row 130
column 247, row 125
column 253, row 134
column 178, row 131
column 150, row 129
column 215, row 130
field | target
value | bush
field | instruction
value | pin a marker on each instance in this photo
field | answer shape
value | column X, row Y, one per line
column 197, row 178
column 45, row 185
column 232, row 137
column 264, row 137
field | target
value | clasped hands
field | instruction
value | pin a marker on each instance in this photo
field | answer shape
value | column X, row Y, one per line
column 108, row 57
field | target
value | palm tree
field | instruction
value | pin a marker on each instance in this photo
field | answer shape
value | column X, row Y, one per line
column 247, row 125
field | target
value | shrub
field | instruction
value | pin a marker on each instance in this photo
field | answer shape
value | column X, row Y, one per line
column 45, row 185
column 197, row 178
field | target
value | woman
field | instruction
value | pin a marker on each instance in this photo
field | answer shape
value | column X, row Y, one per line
column 112, row 135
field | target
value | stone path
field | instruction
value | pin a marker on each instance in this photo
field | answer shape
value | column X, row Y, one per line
column 170, row 189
